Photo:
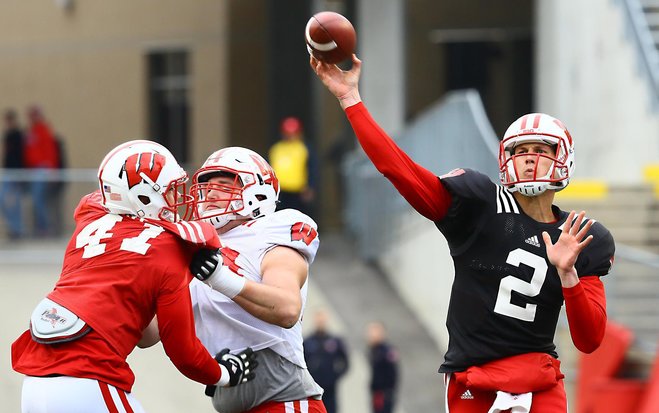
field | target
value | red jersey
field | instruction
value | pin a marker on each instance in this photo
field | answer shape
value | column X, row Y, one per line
column 119, row 272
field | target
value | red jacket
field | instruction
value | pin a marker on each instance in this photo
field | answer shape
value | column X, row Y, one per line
column 40, row 147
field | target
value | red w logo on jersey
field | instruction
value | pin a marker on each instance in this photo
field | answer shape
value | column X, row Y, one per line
column 149, row 164
column 229, row 257
column 303, row 232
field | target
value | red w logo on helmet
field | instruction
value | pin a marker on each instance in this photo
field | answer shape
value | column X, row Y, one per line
column 303, row 232
column 149, row 164
column 267, row 172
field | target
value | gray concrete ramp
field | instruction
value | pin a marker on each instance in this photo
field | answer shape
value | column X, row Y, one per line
column 358, row 294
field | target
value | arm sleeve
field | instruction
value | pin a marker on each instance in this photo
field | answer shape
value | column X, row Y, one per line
column 585, row 304
column 420, row 187
column 177, row 333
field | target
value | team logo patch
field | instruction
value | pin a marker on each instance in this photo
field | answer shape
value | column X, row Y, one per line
column 52, row 317
column 303, row 232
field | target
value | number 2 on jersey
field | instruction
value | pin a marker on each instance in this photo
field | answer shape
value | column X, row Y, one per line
column 92, row 234
column 504, row 305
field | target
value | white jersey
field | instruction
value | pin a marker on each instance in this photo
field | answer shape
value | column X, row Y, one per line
column 220, row 322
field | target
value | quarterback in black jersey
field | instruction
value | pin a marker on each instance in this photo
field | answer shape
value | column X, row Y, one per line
column 518, row 257
column 506, row 297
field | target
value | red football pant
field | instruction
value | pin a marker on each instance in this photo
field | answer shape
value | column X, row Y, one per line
column 553, row 400
column 296, row 406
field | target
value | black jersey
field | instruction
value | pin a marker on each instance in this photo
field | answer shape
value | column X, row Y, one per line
column 506, row 296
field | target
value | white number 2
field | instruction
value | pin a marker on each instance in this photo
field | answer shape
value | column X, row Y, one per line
column 532, row 288
column 93, row 233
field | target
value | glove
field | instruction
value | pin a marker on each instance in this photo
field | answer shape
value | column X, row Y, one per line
column 204, row 262
column 236, row 369
column 206, row 265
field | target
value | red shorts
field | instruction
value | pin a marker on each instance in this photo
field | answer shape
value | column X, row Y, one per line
column 461, row 399
column 296, row 406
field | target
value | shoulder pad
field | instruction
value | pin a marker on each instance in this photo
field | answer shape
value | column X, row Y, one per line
column 293, row 229
column 90, row 203
column 468, row 183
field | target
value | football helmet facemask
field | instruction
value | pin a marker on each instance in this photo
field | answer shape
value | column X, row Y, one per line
column 537, row 127
column 251, row 190
column 142, row 178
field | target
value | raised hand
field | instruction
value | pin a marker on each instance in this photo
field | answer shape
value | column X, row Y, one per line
column 564, row 253
column 344, row 84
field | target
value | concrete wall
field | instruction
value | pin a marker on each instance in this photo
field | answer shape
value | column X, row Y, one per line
column 421, row 269
column 87, row 68
column 588, row 75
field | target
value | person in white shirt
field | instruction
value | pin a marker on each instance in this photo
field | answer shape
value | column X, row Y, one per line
column 252, row 291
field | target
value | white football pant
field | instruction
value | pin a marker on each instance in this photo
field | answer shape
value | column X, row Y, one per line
column 75, row 395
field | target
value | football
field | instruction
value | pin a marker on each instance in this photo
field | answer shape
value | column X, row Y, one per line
column 330, row 37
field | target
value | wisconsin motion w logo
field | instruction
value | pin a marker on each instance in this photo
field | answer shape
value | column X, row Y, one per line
column 149, row 164
column 301, row 231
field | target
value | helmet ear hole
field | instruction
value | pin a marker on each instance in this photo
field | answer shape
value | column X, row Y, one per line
column 144, row 199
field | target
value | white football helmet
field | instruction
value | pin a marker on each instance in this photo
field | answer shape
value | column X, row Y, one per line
column 253, row 192
column 537, row 127
column 143, row 178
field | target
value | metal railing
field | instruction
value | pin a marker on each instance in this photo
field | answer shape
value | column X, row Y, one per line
column 639, row 29
column 633, row 294
column 50, row 175
column 453, row 133
column 76, row 182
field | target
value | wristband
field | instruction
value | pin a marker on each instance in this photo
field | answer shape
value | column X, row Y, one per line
column 224, row 378
column 226, row 281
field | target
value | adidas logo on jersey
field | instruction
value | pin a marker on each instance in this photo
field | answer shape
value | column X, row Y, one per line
column 533, row 241
column 467, row 396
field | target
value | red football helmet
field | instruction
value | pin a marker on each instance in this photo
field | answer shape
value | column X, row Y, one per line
column 537, row 127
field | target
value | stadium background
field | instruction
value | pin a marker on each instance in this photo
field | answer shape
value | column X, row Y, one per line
column 210, row 73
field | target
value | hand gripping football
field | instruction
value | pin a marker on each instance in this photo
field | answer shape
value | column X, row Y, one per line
column 330, row 37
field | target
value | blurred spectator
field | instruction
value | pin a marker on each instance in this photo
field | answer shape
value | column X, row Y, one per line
column 41, row 155
column 327, row 359
column 294, row 165
column 11, row 191
column 383, row 359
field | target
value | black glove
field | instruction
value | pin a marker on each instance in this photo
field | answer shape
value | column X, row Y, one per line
column 240, row 367
column 204, row 262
